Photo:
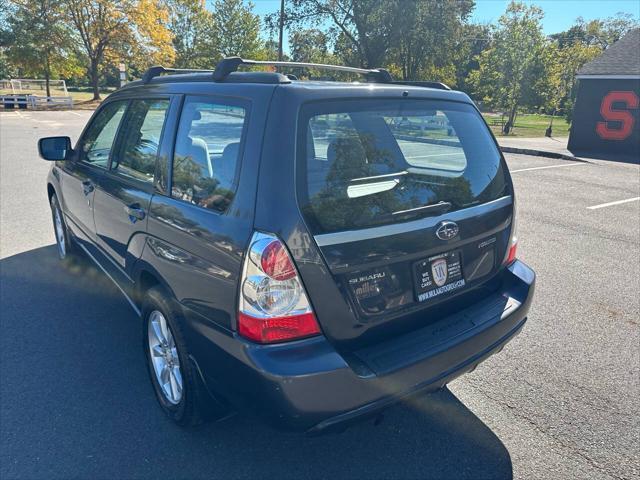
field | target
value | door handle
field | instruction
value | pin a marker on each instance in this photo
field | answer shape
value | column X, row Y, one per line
column 88, row 187
column 135, row 212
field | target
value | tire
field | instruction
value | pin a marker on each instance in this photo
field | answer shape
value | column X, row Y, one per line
column 190, row 404
column 64, row 242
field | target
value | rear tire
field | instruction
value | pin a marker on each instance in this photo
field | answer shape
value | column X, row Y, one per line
column 64, row 242
column 175, row 379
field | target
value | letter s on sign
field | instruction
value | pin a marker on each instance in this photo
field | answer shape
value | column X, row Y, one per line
column 631, row 100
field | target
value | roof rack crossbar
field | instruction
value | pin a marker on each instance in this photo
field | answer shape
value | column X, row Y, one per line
column 158, row 70
column 422, row 83
column 231, row 64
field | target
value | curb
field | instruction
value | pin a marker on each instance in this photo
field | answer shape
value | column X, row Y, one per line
column 540, row 153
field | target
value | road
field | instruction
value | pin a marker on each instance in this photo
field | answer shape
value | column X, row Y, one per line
column 561, row 401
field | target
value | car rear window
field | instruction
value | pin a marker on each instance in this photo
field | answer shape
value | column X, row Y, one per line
column 369, row 163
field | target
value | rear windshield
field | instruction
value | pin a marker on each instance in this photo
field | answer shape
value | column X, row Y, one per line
column 370, row 163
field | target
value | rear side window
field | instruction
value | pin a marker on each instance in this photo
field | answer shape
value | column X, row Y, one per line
column 98, row 140
column 207, row 153
column 369, row 163
column 141, row 140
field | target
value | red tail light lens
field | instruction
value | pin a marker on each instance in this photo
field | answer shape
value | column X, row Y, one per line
column 273, row 304
column 512, row 253
column 276, row 263
column 277, row 329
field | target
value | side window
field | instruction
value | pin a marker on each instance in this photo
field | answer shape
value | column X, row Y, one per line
column 98, row 141
column 206, row 158
column 136, row 157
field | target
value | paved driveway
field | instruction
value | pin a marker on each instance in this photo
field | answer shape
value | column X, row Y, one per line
column 561, row 401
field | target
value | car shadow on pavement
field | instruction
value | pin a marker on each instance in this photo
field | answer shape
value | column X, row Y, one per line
column 75, row 402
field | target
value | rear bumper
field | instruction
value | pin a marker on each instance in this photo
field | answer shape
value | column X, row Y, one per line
column 308, row 385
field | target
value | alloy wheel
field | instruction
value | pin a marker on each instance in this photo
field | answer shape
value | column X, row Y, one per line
column 59, row 230
column 164, row 357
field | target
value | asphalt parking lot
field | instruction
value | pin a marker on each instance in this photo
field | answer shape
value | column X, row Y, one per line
column 561, row 401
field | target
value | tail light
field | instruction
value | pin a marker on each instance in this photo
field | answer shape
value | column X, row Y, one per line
column 513, row 241
column 273, row 304
column 511, row 254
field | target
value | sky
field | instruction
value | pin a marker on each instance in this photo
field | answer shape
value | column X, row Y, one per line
column 559, row 14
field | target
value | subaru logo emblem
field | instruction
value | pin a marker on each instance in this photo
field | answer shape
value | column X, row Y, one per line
column 447, row 230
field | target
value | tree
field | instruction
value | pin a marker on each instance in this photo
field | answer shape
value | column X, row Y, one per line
column 98, row 24
column 572, row 49
column 428, row 34
column 192, row 27
column 40, row 38
column 368, row 28
column 236, row 28
column 474, row 39
column 563, row 75
column 310, row 45
column 7, row 69
column 505, row 68
column 149, row 39
column 606, row 32
column 109, row 30
column 599, row 33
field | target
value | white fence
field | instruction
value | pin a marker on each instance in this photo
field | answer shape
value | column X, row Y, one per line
column 31, row 85
column 34, row 102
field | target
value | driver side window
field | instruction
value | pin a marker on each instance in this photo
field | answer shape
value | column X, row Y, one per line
column 98, row 141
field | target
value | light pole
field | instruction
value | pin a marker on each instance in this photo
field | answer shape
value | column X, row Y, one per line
column 280, row 30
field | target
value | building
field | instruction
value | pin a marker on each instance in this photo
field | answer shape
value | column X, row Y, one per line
column 606, row 116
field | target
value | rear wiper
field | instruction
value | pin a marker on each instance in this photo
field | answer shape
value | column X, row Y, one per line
column 427, row 210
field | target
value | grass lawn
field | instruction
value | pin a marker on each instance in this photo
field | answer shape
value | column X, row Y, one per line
column 528, row 125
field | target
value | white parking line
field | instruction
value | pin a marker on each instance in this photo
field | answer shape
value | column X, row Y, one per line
column 548, row 166
column 74, row 113
column 610, row 204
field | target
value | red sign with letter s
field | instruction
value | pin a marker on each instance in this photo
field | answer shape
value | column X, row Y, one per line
column 623, row 117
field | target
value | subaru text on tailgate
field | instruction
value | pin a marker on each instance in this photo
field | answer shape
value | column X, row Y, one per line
column 311, row 250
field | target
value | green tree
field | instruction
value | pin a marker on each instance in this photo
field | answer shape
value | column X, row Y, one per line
column 309, row 45
column 41, row 40
column 428, row 33
column 606, row 32
column 367, row 28
column 98, row 25
column 7, row 69
column 237, row 29
column 600, row 33
column 505, row 68
column 563, row 74
column 192, row 27
column 474, row 39
column 572, row 49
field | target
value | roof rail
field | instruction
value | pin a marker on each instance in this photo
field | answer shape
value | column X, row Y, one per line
column 231, row 64
column 420, row 83
column 158, row 70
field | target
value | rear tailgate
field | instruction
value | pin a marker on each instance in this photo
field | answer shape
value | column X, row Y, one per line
column 410, row 205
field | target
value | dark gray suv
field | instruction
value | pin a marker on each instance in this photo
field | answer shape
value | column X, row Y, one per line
column 311, row 250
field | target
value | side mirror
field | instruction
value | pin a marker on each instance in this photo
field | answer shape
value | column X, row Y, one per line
column 54, row 148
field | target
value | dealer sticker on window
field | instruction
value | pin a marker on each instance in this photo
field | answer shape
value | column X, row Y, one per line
column 437, row 275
